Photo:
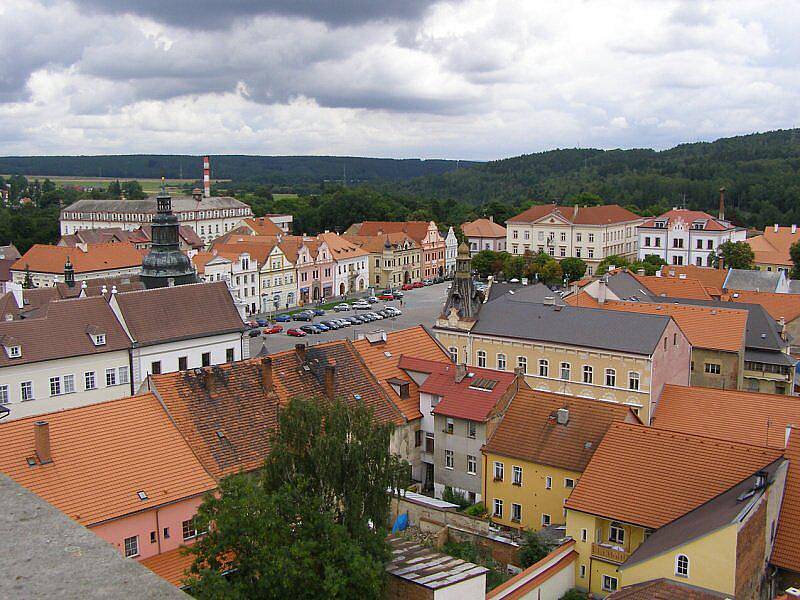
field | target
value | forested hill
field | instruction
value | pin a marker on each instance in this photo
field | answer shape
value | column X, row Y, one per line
column 275, row 170
column 760, row 172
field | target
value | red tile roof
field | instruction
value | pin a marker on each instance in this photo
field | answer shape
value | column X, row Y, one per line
column 772, row 247
column 263, row 226
column 664, row 589
column 578, row 215
column 341, row 248
column 172, row 565
column 691, row 289
column 649, row 477
column 416, row 230
column 103, row 455
column 529, row 430
column 383, row 358
column 745, row 417
column 41, row 258
column 786, row 551
column 483, row 228
column 777, row 305
column 463, row 400
column 688, row 217
column 708, row 277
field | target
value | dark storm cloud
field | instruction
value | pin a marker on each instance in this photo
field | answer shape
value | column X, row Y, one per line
column 216, row 14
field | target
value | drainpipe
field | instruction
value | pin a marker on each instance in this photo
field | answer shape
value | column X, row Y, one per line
column 158, row 532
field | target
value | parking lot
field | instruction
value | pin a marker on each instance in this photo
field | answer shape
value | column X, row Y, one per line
column 420, row 305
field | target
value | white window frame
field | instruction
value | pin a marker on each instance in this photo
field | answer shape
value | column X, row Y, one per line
column 14, row 351
column 516, row 475
column 608, row 586
column 449, row 425
column 5, row 396
column 544, row 367
column 131, row 546
column 111, row 377
column 55, row 386
column 472, row 464
column 472, row 429
column 546, row 520
column 453, row 354
column 501, row 361
column 563, row 368
column 548, row 482
column 634, row 380
column 499, row 470
column 611, row 375
column 498, row 508
column 89, row 376
column 588, row 374
column 516, row 512
column 31, row 395
column 123, row 375
column 522, row 363
column 682, row 570
column 480, row 358
column 449, row 460
column 616, row 533
column 569, row 483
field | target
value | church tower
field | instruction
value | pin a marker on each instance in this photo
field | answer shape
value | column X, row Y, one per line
column 166, row 265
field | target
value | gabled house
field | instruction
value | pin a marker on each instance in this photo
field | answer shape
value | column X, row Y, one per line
column 538, row 453
column 484, row 234
column 771, row 249
column 657, row 504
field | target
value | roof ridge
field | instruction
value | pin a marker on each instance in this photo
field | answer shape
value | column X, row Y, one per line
column 59, row 411
column 702, row 438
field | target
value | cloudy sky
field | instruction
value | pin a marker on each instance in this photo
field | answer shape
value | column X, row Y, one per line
column 473, row 79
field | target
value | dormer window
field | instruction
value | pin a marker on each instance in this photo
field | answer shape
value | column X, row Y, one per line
column 99, row 339
column 661, row 224
column 14, row 351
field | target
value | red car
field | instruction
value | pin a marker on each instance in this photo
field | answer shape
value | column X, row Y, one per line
column 418, row 284
column 272, row 329
column 407, row 286
column 386, row 297
column 295, row 332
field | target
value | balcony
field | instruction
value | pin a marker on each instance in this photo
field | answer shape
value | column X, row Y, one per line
column 610, row 554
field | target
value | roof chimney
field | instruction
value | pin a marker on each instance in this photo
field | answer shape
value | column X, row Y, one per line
column 330, row 380
column 602, row 290
column 300, row 349
column 562, row 416
column 209, row 381
column 266, row 373
column 491, row 218
column 206, row 177
column 41, row 441
column 794, row 229
column 461, row 372
column 197, row 194
column 722, row 204
column 777, row 227
column 640, row 272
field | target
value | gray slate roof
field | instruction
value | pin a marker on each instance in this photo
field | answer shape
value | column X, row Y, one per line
column 510, row 316
column 536, row 292
column 756, row 281
column 626, row 287
column 148, row 205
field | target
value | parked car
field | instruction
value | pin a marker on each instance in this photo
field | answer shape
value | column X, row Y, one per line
column 344, row 306
column 355, row 320
column 372, row 299
column 387, row 296
column 302, row 316
column 438, row 279
column 309, row 329
column 377, row 315
column 386, row 291
column 318, row 312
column 321, row 326
column 272, row 329
column 407, row 286
column 418, row 284
column 262, row 322
column 361, row 305
column 397, row 294
column 427, row 282
column 295, row 332
column 254, row 332
column 344, row 323
column 393, row 311
column 251, row 324
column 283, row 318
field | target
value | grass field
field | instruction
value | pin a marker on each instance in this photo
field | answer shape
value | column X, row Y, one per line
column 150, row 186
column 283, row 196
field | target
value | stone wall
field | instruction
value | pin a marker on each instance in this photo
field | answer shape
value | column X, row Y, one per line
column 750, row 560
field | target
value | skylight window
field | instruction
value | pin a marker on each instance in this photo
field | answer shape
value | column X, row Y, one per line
column 14, row 351
column 483, row 384
column 142, row 495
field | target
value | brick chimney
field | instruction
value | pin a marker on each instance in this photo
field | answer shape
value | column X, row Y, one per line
column 266, row 373
column 330, row 380
column 461, row 372
column 300, row 349
column 206, row 177
column 41, row 441
column 722, row 204
column 209, row 381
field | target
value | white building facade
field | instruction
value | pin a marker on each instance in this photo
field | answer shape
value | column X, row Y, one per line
column 450, row 253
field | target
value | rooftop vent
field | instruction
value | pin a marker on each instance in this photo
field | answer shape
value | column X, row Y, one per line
column 562, row 416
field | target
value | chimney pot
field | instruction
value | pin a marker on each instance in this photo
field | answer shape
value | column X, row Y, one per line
column 266, row 373
column 41, row 432
column 330, row 381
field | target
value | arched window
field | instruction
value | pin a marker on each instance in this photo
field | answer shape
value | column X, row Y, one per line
column 588, row 374
column 633, row 380
column 544, row 367
column 522, row 363
column 453, row 353
column 611, row 378
column 481, row 354
column 565, row 371
column 682, row 565
column 501, row 362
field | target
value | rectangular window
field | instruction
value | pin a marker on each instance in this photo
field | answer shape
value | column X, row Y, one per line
column 588, row 374
column 498, row 471
column 544, row 367
column 517, row 475
column 545, row 520
column 183, row 363
column 633, row 380
column 516, row 512
column 565, row 368
column 472, row 464
column 123, row 375
column 448, row 459
column 713, row 368
column 189, row 530
column 471, row 429
column 501, row 362
column 611, row 377
column 583, row 571
column 89, row 382
column 3, row 394
column 498, row 508
column 111, row 377
column 609, row 583
column 206, row 359
column 481, row 359
column 616, row 534
column 55, row 386
column 590, row 252
column 548, row 482
column 522, row 363
column 26, row 390
column 584, row 535
column 569, row 483
column 449, row 425
column 591, row 238
column 132, row 546
column 155, row 367
column 228, row 354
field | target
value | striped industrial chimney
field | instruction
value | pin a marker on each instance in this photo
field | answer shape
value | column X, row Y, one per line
column 206, row 177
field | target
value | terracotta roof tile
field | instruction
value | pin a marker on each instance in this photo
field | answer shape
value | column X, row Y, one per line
column 414, row 341
column 483, row 228
column 777, row 305
column 417, row 230
column 772, row 246
column 579, row 215
column 229, row 422
column 664, row 589
column 688, row 217
column 263, row 226
column 709, row 278
column 529, row 430
column 41, row 258
column 62, row 332
column 103, row 454
column 171, row 565
column 180, row 312
column 786, row 551
column 672, row 287
column 341, row 248
column 744, row 417
column 468, row 399
column 649, row 477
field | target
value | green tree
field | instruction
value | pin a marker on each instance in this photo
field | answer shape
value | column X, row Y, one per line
column 585, row 199
column 114, row 189
column 320, row 503
column 573, row 268
column 735, row 255
column 574, row 594
column 794, row 253
column 485, row 262
column 133, row 190
column 615, row 260
column 532, row 549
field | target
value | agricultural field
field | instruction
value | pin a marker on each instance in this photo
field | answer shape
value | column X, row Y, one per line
column 149, row 185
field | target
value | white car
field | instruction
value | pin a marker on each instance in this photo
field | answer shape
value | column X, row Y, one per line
column 362, row 305
column 344, row 306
